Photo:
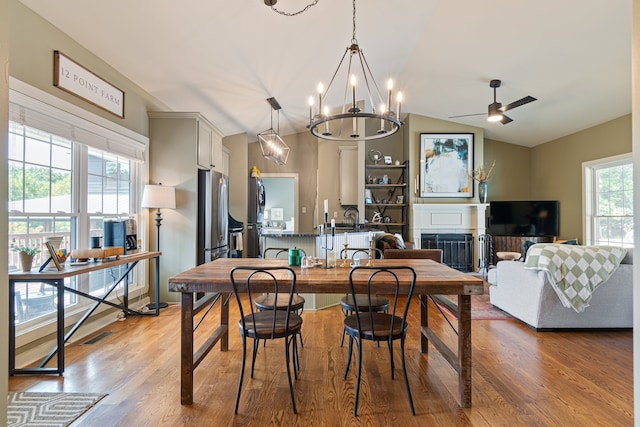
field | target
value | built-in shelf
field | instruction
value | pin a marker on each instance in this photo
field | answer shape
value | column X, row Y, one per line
column 388, row 199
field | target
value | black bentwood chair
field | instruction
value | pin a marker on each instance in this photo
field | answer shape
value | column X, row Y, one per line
column 279, row 302
column 347, row 305
column 269, row 324
column 367, row 324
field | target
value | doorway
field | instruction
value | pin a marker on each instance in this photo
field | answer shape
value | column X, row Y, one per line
column 281, row 201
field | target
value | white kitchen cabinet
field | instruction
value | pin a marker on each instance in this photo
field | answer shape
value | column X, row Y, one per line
column 209, row 146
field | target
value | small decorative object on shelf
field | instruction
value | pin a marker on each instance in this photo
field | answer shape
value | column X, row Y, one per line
column 482, row 177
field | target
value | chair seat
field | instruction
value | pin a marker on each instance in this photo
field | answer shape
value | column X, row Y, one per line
column 377, row 303
column 381, row 326
column 264, row 327
column 266, row 302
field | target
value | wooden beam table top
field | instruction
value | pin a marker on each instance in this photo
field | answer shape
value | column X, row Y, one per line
column 432, row 277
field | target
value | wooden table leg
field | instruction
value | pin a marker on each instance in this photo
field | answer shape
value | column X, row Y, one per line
column 424, row 322
column 186, row 349
column 224, row 321
column 464, row 350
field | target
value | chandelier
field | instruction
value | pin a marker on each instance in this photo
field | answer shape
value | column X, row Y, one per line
column 345, row 125
column 271, row 144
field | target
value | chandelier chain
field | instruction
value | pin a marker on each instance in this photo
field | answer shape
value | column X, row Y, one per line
column 295, row 13
column 353, row 36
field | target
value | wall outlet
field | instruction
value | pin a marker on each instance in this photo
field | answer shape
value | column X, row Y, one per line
column 335, row 214
column 304, row 209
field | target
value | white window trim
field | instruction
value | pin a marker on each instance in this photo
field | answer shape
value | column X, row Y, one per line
column 119, row 140
column 588, row 202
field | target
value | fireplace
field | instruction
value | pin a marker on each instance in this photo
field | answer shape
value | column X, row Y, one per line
column 458, row 225
column 457, row 249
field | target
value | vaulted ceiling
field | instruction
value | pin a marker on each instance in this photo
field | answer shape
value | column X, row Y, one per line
column 224, row 59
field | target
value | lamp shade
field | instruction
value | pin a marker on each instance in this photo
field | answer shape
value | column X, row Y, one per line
column 159, row 197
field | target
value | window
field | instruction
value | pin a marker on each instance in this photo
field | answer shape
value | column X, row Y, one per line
column 608, row 187
column 68, row 171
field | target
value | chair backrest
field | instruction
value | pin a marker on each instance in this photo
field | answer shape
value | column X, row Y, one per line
column 354, row 253
column 370, row 281
column 279, row 253
column 258, row 280
column 434, row 254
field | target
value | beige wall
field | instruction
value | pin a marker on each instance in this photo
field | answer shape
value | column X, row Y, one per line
column 238, row 173
column 511, row 177
column 557, row 168
column 32, row 42
column 4, row 129
column 303, row 160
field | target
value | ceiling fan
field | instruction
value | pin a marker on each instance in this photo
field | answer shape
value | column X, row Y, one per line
column 496, row 109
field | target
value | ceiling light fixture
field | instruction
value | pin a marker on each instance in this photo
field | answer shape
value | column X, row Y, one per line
column 344, row 126
column 271, row 144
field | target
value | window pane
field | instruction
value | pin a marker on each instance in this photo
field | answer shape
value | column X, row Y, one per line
column 37, row 152
column 61, row 157
column 613, row 216
column 16, row 148
column 36, row 188
column 16, row 183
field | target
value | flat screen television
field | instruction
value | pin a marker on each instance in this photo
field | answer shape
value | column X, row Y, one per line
column 524, row 218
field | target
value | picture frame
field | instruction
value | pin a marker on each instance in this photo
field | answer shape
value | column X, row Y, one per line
column 399, row 199
column 446, row 164
column 277, row 214
column 53, row 257
column 387, row 160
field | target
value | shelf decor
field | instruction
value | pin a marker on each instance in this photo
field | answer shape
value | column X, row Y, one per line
column 446, row 163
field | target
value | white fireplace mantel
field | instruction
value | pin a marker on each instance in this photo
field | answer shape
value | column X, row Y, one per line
column 463, row 218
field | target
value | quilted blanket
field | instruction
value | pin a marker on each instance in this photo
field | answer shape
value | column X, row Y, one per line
column 574, row 272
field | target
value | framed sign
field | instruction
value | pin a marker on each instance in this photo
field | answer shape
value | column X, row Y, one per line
column 73, row 78
column 446, row 163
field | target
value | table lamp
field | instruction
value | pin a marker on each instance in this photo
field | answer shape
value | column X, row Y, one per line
column 158, row 197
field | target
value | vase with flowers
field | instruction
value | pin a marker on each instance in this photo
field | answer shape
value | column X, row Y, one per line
column 482, row 176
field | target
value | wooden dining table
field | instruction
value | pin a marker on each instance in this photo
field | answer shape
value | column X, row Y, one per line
column 433, row 279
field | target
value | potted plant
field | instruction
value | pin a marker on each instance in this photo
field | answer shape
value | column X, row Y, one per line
column 26, row 256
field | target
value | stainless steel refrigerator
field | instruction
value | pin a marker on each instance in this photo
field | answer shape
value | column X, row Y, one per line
column 213, row 216
column 255, row 206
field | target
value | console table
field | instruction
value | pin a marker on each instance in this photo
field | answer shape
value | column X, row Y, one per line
column 56, row 279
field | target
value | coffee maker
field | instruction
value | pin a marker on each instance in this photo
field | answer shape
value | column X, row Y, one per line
column 120, row 233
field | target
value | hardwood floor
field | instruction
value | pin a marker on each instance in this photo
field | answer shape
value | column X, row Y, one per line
column 520, row 378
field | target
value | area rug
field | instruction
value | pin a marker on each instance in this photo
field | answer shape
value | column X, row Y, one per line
column 48, row 409
column 481, row 307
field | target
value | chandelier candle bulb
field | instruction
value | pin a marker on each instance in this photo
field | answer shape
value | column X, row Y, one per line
column 382, row 111
column 389, row 87
column 399, row 99
column 326, row 206
column 353, row 91
column 320, row 90
column 310, row 108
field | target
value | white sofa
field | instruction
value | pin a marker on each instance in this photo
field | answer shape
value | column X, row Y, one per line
column 527, row 295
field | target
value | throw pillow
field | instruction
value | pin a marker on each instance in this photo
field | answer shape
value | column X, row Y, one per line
column 525, row 247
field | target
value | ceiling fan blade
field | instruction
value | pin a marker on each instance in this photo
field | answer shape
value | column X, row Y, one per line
column 468, row 115
column 506, row 120
column 518, row 103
